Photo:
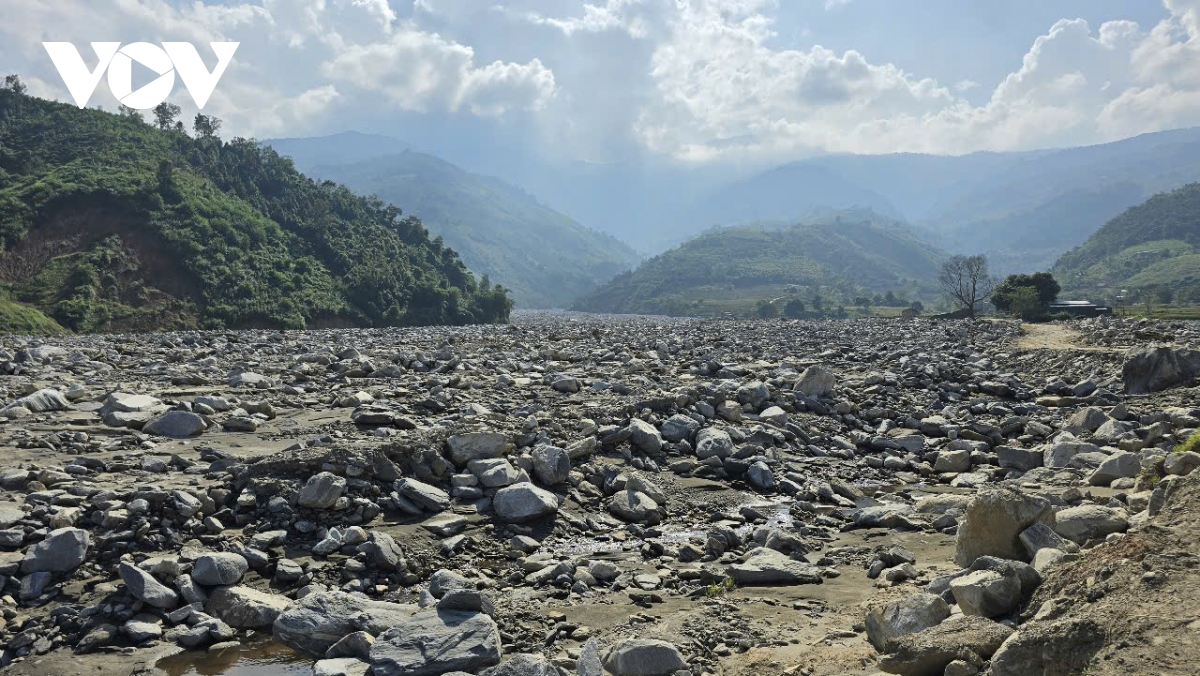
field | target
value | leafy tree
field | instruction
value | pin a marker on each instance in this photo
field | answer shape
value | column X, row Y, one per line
column 794, row 308
column 767, row 310
column 966, row 281
column 165, row 114
column 889, row 299
column 206, row 126
column 1043, row 283
column 1165, row 295
column 918, row 306
column 13, row 84
column 131, row 113
column 816, row 302
column 1026, row 303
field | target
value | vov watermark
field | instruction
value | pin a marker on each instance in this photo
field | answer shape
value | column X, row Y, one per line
column 171, row 58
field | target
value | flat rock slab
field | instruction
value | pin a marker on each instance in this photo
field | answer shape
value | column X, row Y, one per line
column 431, row 643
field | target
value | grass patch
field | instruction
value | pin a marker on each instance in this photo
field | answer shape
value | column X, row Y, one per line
column 1191, row 444
column 21, row 319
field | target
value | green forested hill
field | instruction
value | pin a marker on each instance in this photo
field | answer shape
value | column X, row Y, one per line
column 543, row 257
column 837, row 257
column 1153, row 244
column 108, row 223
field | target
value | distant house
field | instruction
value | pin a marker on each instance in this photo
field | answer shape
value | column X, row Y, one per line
column 1079, row 308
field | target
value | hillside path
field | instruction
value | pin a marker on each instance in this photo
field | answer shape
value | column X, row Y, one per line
column 1055, row 336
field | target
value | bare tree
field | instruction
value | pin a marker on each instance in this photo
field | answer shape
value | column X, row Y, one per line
column 966, row 280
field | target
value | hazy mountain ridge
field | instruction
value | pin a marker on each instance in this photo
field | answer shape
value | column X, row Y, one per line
column 543, row 257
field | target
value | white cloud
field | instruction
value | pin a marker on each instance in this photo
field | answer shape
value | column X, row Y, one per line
column 299, row 60
column 722, row 90
column 419, row 71
column 631, row 16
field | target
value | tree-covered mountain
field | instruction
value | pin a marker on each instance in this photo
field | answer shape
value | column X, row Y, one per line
column 1154, row 244
column 543, row 257
column 109, row 223
column 835, row 257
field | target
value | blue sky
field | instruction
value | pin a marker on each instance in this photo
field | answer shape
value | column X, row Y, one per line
column 697, row 83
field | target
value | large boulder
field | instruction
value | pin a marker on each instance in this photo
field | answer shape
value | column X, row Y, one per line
column 434, row 642
column 176, row 424
column 635, row 507
column 145, row 588
column 219, row 569
column 427, row 497
column 61, row 551
column 41, row 401
column 476, row 446
column 551, row 464
column 1050, row 648
column 643, row 657
column 245, row 608
column 524, row 502
column 986, row 593
column 816, row 381
column 524, row 664
column 712, row 441
column 644, row 436
column 1117, row 466
column 1087, row 522
column 926, row 653
column 993, row 523
column 909, row 615
column 767, row 566
column 321, row 491
column 314, row 623
column 1155, row 368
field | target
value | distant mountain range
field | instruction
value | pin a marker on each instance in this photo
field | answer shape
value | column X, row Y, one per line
column 544, row 258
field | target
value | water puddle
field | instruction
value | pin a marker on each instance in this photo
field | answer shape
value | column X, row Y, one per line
column 262, row 659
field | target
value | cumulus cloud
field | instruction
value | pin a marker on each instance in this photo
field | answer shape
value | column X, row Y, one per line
column 298, row 61
column 722, row 90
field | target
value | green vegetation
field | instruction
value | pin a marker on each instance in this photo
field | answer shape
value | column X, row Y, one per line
column 1148, row 248
column 109, row 223
column 1192, row 444
column 22, row 319
column 1026, row 296
column 821, row 264
column 543, row 257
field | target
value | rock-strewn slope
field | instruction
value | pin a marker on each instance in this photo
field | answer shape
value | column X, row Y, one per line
column 635, row 496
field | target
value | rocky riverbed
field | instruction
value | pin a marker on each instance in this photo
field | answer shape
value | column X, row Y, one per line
column 592, row 495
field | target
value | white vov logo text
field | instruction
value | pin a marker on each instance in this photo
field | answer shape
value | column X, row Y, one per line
column 171, row 58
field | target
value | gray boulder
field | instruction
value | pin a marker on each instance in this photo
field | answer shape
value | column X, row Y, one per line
column 219, row 569
column 1024, row 459
column 986, row 593
column 712, row 441
column 42, row 401
column 1156, row 368
column 1116, row 466
column 314, row 623
column 644, row 657
column 524, row 502
column 767, row 566
column 496, row 472
column 322, row 491
column 816, row 381
column 635, row 507
column 429, row 498
column 245, row 608
column 62, row 550
column 927, row 653
column 1087, row 522
column 476, row 446
column 1062, row 647
column 644, row 436
column 993, row 523
column 551, row 464
column 1039, row 536
column 146, row 589
column 176, row 424
column 432, row 643
column 909, row 615
column 524, row 664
